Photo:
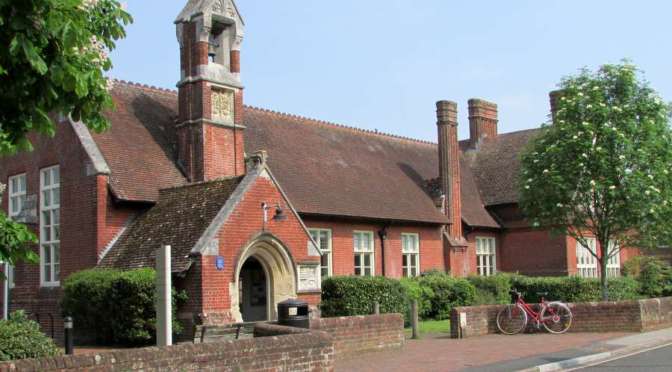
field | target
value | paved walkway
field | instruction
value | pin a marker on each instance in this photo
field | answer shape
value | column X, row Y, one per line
column 440, row 353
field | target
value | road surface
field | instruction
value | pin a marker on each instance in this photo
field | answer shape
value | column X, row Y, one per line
column 650, row 361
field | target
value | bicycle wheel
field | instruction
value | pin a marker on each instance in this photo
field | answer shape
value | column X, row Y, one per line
column 511, row 320
column 556, row 317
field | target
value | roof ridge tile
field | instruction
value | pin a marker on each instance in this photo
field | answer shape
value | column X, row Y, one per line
column 145, row 87
column 341, row 126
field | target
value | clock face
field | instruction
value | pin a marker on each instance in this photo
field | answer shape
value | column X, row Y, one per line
column 222, row 105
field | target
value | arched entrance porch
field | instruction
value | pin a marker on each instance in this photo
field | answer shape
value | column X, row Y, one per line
column 265, row 275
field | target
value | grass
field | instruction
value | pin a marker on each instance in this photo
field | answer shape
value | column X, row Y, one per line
column 432, row 327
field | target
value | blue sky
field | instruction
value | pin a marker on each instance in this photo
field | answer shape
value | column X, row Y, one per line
column 382, row 64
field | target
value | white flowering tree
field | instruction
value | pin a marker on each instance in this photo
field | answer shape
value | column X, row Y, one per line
column 602, row 168
column 53, row 59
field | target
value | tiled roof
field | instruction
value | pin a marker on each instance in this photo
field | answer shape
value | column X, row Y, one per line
column 496, row 166
column 139, row 147
column 326, row 169
column 179, row 218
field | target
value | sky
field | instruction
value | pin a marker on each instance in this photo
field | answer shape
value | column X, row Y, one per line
column 382, row 64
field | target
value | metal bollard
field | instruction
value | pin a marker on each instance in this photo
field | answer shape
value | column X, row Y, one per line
column 414, row 319
column 376, row 308
column 68, row 326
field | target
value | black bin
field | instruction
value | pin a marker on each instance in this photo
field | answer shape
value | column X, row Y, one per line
column 294, row 313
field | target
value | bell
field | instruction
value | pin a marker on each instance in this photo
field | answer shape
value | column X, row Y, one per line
column 212, row 51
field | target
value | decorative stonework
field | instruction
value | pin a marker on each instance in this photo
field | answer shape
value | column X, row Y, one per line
column 218, row 6
column 222, row 105
column 309, row 278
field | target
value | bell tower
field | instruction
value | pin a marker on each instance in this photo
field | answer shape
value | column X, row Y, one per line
column 210, row 120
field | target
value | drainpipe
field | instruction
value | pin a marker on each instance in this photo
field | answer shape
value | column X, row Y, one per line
column 5, row 294
column 382, row 233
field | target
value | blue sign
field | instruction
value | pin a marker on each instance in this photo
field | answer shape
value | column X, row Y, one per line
column 219, row 263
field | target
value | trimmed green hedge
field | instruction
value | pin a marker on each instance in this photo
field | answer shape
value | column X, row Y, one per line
column 446, row 292
column 116, row 306
column 436, row 293
column 654, row 275
column 348, row 296
column 495, row 289
column 21, row 338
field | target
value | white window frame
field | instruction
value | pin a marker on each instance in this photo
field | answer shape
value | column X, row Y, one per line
column 50, row 242
column 17, row 197
column 362, row 252
column 614, row 263
column 486, row 255
column 326, row 248
column 586, row 263
column 410, row 250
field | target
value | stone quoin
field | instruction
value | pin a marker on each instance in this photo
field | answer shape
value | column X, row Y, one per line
column 260, row 206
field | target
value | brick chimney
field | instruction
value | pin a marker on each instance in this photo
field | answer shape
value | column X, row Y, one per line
column 482, row 121
column 554, row 98
column 449, row 166
column 210, row 121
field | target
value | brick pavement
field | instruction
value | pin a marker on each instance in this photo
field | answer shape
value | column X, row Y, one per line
column 440, row 353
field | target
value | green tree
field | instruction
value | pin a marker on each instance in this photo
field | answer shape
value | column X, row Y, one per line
column 53, row 60
column 601, row 168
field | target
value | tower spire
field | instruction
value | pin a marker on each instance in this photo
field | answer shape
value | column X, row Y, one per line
column 210, row 125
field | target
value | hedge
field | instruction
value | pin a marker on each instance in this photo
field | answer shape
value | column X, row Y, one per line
column 446, row 292
column 495, row 289
column 349, row 296
column 436, row 294
column 116, row 307
column 653, row 274
column 21, row 338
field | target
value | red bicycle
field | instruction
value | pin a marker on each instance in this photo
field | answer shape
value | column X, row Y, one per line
column 555, row 316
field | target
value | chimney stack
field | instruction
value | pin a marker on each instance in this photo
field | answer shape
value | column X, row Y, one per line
column 554, row 98
column 482, row 121
column 449, row 166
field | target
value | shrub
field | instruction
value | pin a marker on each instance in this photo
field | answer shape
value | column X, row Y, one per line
column 117, row 307
column 348, row 296
column 446, row 292
column 654, row 275
column 422, row 294
column 21, row 338
column 492, row 289
column 574, row 289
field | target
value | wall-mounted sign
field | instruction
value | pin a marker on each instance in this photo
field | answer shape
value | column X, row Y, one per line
column 309, row 278
column 219, row 263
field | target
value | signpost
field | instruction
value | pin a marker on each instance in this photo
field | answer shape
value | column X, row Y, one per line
column 164, row 303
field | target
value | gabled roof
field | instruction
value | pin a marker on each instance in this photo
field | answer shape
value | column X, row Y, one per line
column 139, row 148
column 325, row 169
column 496, row 166
column 179, row 219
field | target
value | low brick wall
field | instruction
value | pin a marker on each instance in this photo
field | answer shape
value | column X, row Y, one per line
column 359, row 334
column 287, row 350
column 656, row 313
column 624, row 316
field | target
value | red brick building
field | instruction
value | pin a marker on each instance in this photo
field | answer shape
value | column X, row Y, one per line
column 258, row 206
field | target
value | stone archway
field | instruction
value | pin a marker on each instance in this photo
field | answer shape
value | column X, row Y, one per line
column 279, row 272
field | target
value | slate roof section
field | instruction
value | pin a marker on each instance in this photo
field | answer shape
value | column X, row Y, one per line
column 139, row 146
column 338, row 171
column 180, row 218
column 496, row 166
column 326, row 169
